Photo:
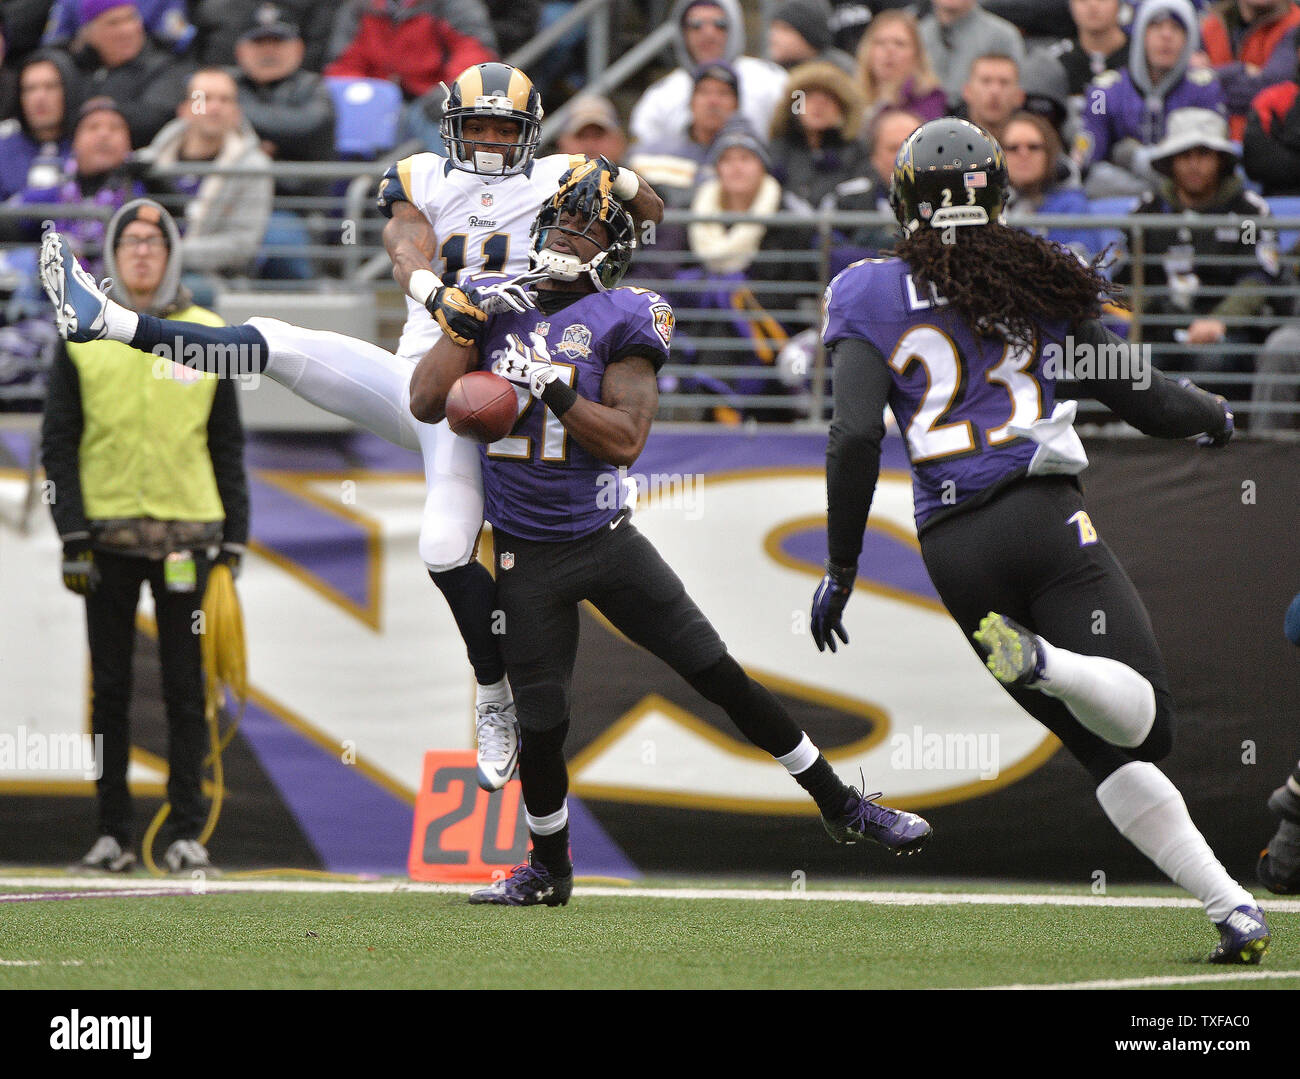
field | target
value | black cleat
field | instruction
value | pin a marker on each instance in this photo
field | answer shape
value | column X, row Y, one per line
column 893, row 829
column 530, row 884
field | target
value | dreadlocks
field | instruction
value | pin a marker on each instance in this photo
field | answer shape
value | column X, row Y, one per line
column 1004, row 280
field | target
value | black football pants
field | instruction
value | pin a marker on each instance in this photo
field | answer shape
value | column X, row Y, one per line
column 1021, row 555
column 110, row 622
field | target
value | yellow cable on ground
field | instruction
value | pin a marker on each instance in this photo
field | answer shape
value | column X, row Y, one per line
column 225, row 671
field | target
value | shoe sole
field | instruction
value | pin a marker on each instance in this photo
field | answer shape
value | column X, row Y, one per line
column 1006, row 650
column 1276, row 885
column 846, row 838
column 1250, row 954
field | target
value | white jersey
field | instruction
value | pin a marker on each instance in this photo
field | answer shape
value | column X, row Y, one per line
column 480, row 222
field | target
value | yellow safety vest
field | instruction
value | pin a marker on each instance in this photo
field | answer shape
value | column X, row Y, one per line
column 144, row 446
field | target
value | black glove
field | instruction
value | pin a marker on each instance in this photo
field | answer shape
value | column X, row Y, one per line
column 231, row 555
column 456, row 314
column 828, row 605
column 80, row 574
column 1212, row 441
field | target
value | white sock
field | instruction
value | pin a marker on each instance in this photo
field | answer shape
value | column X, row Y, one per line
column 496, row 693
column 121, row 322
column 1149, row 812
column 1108, row 697
column 801, row 758
column 549, row 824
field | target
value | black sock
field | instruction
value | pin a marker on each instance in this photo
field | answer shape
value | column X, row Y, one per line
column 827, row 789
column 757, row 714
column 551, row 852
column 544, row 778
column 205, row 348
column 471, row 594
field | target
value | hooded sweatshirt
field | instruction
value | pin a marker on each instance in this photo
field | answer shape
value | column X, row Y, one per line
column 25, row 162
column 1121, row 105
column 665, row 108
column 226, row 218
column 131, row 440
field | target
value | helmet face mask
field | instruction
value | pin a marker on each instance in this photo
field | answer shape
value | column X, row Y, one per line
column 948, row 173
column 492, row 91
column 581, row 208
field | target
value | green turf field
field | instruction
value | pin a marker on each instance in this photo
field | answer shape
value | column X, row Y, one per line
column 613, row 937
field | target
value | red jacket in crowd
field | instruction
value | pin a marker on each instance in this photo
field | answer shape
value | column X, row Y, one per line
column 416, row 43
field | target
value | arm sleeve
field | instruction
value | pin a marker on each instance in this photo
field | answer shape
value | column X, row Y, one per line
column 1163, row 409
column 862, row 382
column 61, row 432
column 226, row 448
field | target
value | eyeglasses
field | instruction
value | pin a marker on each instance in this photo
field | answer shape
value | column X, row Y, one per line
column 149, row 243
column 1027, row 147
column 700, row 24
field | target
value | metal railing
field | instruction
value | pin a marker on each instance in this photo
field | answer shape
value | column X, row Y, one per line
column 731, row 333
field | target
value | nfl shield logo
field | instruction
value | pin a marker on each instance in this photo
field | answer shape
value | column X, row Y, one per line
column 486, row 198
column 507, row 560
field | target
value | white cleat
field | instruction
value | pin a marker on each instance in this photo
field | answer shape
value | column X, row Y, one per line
column 80, row 305
column 497, row 731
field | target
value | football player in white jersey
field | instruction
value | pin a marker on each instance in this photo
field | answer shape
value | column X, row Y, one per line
column 472, row 210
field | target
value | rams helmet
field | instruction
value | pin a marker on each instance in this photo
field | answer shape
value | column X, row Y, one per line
column 948, row 172
column 590, row 201
column 492, row 90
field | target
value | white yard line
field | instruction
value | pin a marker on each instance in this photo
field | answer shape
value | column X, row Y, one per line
column 389, row 887
column 1154, row 982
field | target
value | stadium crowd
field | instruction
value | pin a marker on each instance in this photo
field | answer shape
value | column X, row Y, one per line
column 1160, row 107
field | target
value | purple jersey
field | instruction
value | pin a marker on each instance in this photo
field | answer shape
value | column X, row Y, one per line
column 538, row 483
column 955, row 395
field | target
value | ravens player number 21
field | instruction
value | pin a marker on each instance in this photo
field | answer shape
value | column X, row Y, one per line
column 585, row 362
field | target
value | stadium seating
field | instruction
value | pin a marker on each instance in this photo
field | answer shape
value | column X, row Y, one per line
column 367, row 112
column 1286, row 206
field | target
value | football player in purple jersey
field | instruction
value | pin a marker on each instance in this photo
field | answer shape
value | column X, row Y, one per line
column 974, row 335
column 584, row 361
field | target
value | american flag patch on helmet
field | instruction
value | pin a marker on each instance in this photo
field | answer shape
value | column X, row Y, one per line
column 976, row 179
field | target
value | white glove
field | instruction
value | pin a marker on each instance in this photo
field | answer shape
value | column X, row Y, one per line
column 525, row 365
column 503, row 296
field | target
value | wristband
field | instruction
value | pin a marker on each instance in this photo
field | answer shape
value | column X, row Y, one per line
column 625, row 185
column 559, row 397
column 421, row 285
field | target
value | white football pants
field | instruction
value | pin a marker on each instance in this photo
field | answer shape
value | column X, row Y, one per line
column 372, row 387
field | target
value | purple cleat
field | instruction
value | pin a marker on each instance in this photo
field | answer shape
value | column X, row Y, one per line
column 529, row 884
column 1243, row 937
column 894, row 829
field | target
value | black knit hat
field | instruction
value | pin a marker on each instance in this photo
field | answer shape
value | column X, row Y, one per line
column 811, row 18
column 142, row 210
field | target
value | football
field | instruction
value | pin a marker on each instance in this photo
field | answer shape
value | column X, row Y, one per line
column 482, row 406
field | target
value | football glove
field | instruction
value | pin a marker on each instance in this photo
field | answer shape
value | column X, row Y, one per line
column 605, row 174
column 828, row 605
column 506, row 296
column 1213, row 441
column 527, row 365
column 80, row 574
column 456, row 313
